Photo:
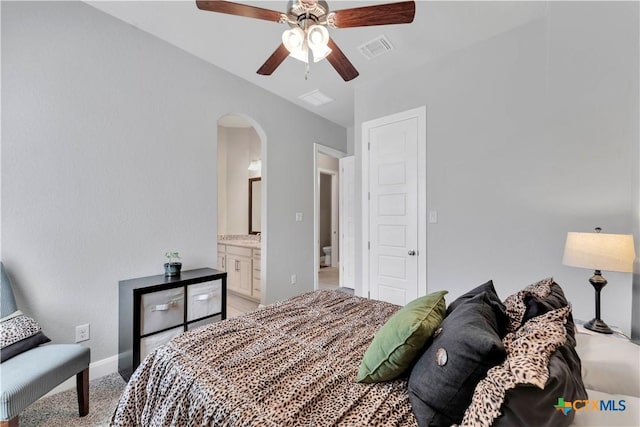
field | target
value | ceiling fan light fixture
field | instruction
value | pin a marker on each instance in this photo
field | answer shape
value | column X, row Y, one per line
column 304, row 40
column 293, row 39
column 317, row 39
column 320, row 53
column 317, row 36
column 295, row 42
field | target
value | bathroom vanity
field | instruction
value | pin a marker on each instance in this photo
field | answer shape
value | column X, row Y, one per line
column 240, row 258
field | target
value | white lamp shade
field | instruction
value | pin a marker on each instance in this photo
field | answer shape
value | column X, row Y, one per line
column 293, row 39
column 317, row 39
column 598, row 251
column 295, row 42
column 320, row 53
column 317, row 36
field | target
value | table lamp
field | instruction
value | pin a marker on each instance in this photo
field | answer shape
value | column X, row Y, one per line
column 598, row 251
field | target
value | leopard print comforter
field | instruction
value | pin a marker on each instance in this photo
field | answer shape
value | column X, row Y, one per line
column 290, row 364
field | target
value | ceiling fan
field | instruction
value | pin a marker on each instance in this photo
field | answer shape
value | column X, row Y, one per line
column 308, row 39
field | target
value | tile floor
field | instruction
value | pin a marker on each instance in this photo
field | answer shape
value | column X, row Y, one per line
column 236, row 305
column 328, row 278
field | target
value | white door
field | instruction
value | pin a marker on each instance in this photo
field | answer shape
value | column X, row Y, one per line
column 396, row 171
column 347, row 222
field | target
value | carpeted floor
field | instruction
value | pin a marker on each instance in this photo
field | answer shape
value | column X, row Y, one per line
column 61, row 410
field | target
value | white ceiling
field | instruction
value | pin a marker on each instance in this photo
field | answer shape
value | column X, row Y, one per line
column 241, row 45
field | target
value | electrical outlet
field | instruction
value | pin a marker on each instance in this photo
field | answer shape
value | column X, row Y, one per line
column 82, row 332
column 293, row 279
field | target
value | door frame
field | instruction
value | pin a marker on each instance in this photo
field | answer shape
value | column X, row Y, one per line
column 319, row 149
column 420, row 114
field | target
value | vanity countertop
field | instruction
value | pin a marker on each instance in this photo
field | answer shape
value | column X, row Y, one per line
column 246, row 243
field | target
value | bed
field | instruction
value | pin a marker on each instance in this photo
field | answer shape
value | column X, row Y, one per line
column 295, row 363
column 291, row 363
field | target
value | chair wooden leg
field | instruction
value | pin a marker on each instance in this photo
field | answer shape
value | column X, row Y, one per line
column 82, row 388
column 13, row 422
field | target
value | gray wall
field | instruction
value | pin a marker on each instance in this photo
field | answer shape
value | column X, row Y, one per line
column 109, row 160
column 530, row 135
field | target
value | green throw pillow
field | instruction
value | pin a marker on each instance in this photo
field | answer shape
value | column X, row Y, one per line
column 399, row 341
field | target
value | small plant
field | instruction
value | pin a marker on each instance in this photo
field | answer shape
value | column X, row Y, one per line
column 173, row 266
column 172, row 257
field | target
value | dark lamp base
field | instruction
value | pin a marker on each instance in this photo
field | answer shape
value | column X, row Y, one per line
column 597, row 325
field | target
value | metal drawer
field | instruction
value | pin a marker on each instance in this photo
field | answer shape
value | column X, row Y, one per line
column 204, row 299
column 161, row 310
column 150, row 343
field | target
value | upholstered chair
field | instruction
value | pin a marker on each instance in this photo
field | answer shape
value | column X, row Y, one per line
column 29, row 370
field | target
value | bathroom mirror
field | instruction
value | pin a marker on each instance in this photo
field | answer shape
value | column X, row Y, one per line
column 255, row 203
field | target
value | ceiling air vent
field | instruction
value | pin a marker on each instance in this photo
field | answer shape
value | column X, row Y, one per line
column 316, row 98
column 376, row 47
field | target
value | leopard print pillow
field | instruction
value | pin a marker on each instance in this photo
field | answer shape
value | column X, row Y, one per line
column 17, row 329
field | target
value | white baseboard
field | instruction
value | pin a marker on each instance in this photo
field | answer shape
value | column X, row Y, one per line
column 97, row 369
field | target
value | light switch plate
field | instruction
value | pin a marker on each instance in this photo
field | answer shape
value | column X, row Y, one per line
column 298, row 216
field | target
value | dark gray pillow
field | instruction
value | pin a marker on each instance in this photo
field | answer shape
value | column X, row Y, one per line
column 485, row 287
column 16, row 336
column 468, row 344
column 23, row 345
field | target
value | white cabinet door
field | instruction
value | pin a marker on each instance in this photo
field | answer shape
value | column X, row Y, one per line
column 239, row 274
column 222, row 255
column 257, row 286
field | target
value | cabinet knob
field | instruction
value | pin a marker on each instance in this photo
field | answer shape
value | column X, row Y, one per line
column 412, row 252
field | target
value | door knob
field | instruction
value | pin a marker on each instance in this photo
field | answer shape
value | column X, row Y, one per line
column 412, row 252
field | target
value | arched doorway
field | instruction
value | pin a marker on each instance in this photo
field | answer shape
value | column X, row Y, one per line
column 242, row 211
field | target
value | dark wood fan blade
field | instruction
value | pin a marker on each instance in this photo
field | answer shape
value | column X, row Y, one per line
column 274, row 61
column 383, row 14
column 238, row 9
column 339, row 61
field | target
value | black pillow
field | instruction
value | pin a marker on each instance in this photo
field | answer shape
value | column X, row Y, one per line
column 464, row 348
column 553, row 301
column 529, row 406
column 485, row 287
